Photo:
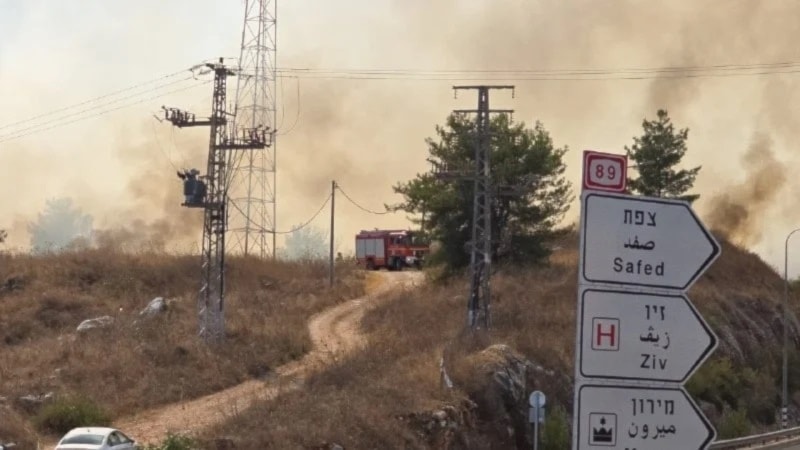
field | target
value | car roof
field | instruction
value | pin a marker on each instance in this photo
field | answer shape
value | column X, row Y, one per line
column 90, row 430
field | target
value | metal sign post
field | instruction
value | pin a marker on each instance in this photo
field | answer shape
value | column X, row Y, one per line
column 537, row 402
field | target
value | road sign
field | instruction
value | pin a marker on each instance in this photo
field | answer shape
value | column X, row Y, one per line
column 641, row 336
column 536, row 401
column 604, row 171
column 651, row 418
column 643, row 241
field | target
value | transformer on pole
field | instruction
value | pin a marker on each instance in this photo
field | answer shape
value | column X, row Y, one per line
column 478, row 305
column 252, row 195
column 209, row 192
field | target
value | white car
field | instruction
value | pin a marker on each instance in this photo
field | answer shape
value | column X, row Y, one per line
column 96, row 438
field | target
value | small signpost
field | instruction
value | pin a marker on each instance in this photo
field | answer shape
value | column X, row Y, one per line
column 638, row 337
column 536, row 401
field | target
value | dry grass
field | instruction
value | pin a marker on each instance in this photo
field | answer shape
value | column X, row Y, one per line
column 140, row 363
column 365, row 400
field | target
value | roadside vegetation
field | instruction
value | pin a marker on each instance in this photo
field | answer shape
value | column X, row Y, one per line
column 383, row 396
column 140, row 361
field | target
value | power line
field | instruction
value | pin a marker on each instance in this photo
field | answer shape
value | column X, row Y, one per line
column 358, row 205
column 76, row 113
column 158, row 143
column 634, row 73
column 15, row 135
column 111, row 94
column 297, row 116
column 785, row 64
column 305, row 224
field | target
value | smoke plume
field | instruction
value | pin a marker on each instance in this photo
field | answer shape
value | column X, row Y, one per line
column 369, row 134
column 740, row 211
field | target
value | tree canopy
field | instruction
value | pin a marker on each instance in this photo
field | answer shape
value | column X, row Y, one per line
column 528, row 185
column 60, row 226
column 306, row 243
column 655, row 155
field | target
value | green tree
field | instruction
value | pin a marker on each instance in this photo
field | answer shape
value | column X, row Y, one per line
column 306, row 243
column 531, row 194
column 655, row 155
column 59, row 226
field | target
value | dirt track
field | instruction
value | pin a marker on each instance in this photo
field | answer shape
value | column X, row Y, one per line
column 333, row 332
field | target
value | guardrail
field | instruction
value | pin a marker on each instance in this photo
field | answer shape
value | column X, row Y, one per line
column 772, row 440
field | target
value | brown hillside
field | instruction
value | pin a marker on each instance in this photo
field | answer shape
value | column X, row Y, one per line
column 138, row 362
column 381, row 398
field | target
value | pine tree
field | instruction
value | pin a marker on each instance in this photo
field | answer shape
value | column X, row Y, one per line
column 655, row 155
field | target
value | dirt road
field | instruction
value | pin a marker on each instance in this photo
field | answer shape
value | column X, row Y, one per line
column 333, row 332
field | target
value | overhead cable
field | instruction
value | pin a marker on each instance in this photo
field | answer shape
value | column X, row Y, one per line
column 358, row 205
column 305, row 224
column 56, row 123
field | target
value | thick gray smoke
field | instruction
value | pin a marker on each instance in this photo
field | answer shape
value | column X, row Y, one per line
column 369, row 134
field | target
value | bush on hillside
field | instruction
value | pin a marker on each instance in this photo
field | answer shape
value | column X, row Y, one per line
column 174, row 442
column 70, row 412
column 734, row 424
column 555, row 433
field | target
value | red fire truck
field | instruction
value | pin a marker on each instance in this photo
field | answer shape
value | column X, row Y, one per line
column 393, row 249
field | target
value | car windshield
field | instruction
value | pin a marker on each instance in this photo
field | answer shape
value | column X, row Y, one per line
column 84, row 439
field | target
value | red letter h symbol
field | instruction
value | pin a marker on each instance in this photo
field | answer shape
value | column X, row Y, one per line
column 605, row 334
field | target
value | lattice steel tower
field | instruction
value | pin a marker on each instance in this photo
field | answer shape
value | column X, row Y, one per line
column 252, row 195
column 209, row 193
column 480, row 246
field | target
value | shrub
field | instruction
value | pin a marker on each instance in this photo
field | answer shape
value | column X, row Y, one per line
column 554, row 434
column 733, row 424
column 70, row 412
column 174, row 442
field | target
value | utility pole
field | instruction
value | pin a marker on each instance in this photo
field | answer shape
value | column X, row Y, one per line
column 478, row 306
column 253, row 172
column 209, row 192
column 333, row 208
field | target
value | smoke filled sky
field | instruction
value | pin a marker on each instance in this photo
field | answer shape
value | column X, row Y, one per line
column 369, row 134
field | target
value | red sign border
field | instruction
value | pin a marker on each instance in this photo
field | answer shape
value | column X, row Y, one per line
column 589, row 155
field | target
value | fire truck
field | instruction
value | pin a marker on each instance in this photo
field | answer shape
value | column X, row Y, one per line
column 392, row 249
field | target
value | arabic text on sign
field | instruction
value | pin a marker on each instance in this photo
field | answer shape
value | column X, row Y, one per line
column 648, row 432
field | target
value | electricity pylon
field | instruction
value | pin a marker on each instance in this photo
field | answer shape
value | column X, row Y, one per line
column 209, row 192
column 252, row 211
column 478, row 305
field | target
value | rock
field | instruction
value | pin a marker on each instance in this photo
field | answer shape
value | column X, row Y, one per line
column 31, row 403
column 503, row 380
column 327, row 446
column 98, row 322
column 156, row 306
column 224, row 444
column 13, row 283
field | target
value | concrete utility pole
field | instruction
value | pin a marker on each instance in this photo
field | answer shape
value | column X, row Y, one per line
column 211, row 196
column 478, row 306
column 333, row 209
